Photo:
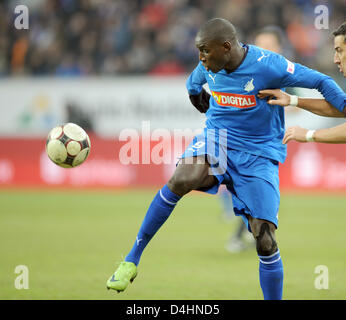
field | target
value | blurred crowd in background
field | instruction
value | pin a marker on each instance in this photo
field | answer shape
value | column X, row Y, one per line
column 117, row 37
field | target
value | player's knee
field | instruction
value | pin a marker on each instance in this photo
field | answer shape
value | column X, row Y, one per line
column 265, row 241
column 266, row 247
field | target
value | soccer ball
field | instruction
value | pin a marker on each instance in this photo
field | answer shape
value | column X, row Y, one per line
column 68, row 145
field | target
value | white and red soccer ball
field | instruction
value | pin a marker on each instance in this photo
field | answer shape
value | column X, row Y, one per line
column 68, row 145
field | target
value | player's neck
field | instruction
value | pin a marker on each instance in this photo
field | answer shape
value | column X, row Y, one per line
column 238, row 55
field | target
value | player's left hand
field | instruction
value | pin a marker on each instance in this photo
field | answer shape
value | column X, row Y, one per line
column 295, row 133
column 276, row 97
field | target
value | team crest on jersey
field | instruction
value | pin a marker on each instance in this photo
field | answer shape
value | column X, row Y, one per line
column 249, row 85
column 234, row 100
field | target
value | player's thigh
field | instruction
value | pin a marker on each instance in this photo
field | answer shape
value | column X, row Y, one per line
column 256, row 189
column 191, row 173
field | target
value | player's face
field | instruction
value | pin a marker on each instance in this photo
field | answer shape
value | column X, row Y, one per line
column 268, row 41
column 340, row 53
column 212, row 54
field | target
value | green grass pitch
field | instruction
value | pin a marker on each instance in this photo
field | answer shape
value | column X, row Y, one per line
column 71, row 242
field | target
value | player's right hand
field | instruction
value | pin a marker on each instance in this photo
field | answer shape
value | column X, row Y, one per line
column 276, row 97
column 201, row 101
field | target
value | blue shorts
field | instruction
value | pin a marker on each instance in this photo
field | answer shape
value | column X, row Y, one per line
column 253, row 180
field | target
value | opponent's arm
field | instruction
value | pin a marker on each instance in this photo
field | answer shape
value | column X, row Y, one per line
column 317, row 106
column 335, row 134
column 199, row 97
column 285, row 73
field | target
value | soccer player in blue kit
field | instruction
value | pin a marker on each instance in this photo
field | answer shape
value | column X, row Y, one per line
column 240, row 146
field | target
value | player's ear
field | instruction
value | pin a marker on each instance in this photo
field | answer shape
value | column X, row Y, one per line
column 227, row 46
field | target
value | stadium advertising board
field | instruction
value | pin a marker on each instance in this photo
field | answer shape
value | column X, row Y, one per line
column 308, row 166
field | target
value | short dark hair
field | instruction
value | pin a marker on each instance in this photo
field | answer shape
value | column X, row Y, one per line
column 341, row 31
column 219, row 29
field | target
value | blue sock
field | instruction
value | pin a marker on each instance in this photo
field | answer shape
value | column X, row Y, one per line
column 271, row 274
column 158, row 212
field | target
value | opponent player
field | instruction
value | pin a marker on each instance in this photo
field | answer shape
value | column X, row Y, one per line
column 320, row 107
column 240, row 146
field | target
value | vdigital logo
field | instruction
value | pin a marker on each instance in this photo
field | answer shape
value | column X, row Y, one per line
column 234, row 100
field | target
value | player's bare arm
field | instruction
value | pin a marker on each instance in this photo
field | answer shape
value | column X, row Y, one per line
column 336, row 134
column 200, row 101
column 317, row 106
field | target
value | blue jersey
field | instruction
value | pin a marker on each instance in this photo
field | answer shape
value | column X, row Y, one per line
column 252, row 124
